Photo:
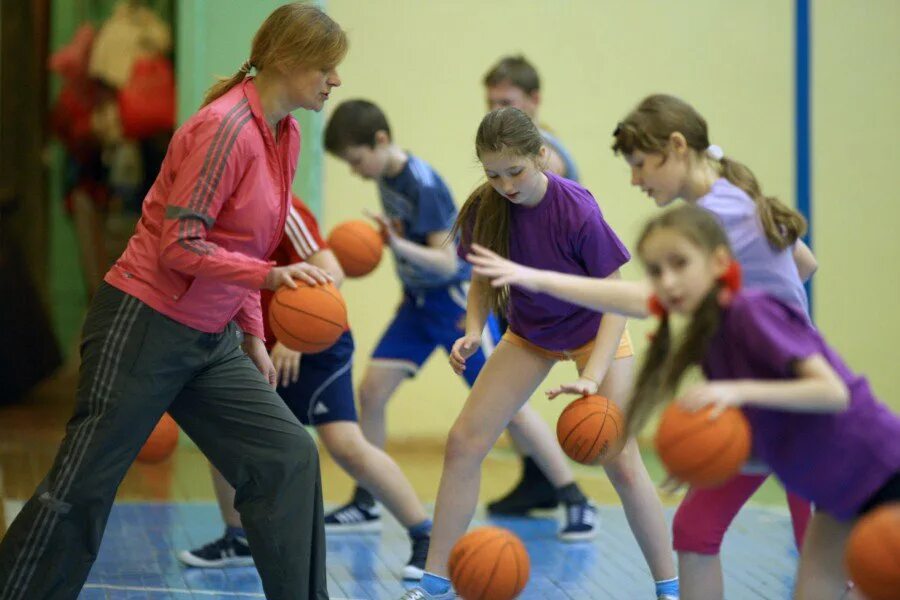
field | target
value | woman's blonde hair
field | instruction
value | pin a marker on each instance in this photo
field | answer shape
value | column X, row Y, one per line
column 649, row 127
column 294, row 35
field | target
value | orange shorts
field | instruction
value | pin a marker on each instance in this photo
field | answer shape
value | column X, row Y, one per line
column 579, row 355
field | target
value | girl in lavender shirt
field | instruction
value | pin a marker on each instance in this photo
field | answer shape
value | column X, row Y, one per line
column 815, row 423
column 544, row 220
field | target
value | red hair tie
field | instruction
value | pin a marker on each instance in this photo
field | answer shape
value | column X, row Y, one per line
column 730, row 281
column 656, row 307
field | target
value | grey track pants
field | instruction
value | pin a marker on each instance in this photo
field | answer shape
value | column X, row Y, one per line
column 135, row 364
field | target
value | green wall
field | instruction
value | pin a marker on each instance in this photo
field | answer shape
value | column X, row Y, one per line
column 212, row 38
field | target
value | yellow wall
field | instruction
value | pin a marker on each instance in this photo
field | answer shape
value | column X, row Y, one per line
column 423, row 63
column 856, row 158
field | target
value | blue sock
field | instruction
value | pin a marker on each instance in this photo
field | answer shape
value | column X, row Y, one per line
column 421, row 530
column 667, row 587
column 235, row 532
column 434, row 584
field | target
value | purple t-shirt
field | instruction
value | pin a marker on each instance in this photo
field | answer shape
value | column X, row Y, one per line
column 835, row 460
column 763, row 266
column 565, row 232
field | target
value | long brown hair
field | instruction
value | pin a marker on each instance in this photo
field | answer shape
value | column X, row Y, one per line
column 294, row 35
column 648, row 128
column 484, row 217
column 665, row 363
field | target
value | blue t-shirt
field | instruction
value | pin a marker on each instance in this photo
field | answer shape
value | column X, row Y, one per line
column 419, row 203
column 564, row 155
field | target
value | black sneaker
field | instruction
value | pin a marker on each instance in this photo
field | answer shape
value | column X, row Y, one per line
column 353, row 518
column 227, row 551
column 581, row 522
column 415, row 568
column 534, row 491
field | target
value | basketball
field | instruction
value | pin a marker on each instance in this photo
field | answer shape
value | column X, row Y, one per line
column 308, row 319
column 873, row 553
column 162, row 441
column 489, row 563
column 591, row 430
column 357, row 246
column 700, row 451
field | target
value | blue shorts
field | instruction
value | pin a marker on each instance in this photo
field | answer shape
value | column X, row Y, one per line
column 323, row 392
column 427, row 320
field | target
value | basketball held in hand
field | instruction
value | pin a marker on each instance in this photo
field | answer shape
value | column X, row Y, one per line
column 700, row 451
column 309, row 319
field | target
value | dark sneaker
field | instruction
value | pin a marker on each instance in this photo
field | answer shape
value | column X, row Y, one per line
column 353, row 518
column 534, row 491
column 581, row 522
column 415, row 568
column 227, row 551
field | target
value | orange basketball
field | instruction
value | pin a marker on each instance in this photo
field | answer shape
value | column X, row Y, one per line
column 162, row 441
column 489, row 563
column 309, row 319
column 700, row 451
column 590, row 430
column 873, row 553
column 357, row 246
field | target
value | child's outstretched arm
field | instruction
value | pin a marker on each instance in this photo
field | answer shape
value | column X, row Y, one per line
column 816, row 389
column 628, row 298
column 438, row 255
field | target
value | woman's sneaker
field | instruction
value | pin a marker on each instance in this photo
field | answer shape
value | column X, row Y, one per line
column 227, row 551
column 581, row 522
column 415, row 568
column 353, row 518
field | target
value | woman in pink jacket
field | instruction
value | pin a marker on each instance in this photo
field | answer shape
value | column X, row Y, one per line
column 177, row 326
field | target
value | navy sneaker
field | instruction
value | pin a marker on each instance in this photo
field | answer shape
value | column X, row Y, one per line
column 227, row 551
column 581, row 522
column 353, row 518
column 415, row 568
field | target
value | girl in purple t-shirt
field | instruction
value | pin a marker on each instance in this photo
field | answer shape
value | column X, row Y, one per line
column 815, row 423
column 550, row 222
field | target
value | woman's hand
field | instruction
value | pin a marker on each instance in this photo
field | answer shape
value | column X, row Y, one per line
column 256, row 350
column 500, row 271
column 718, row 395
column 462, row 349
column 286, row 275
column 287, row 364
column 580, row 387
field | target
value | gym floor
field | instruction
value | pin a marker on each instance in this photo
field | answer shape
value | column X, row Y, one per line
column 169, row 506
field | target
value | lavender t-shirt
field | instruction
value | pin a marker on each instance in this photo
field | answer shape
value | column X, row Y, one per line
column 835, row 460
column 565, row 232
column 763, row 266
